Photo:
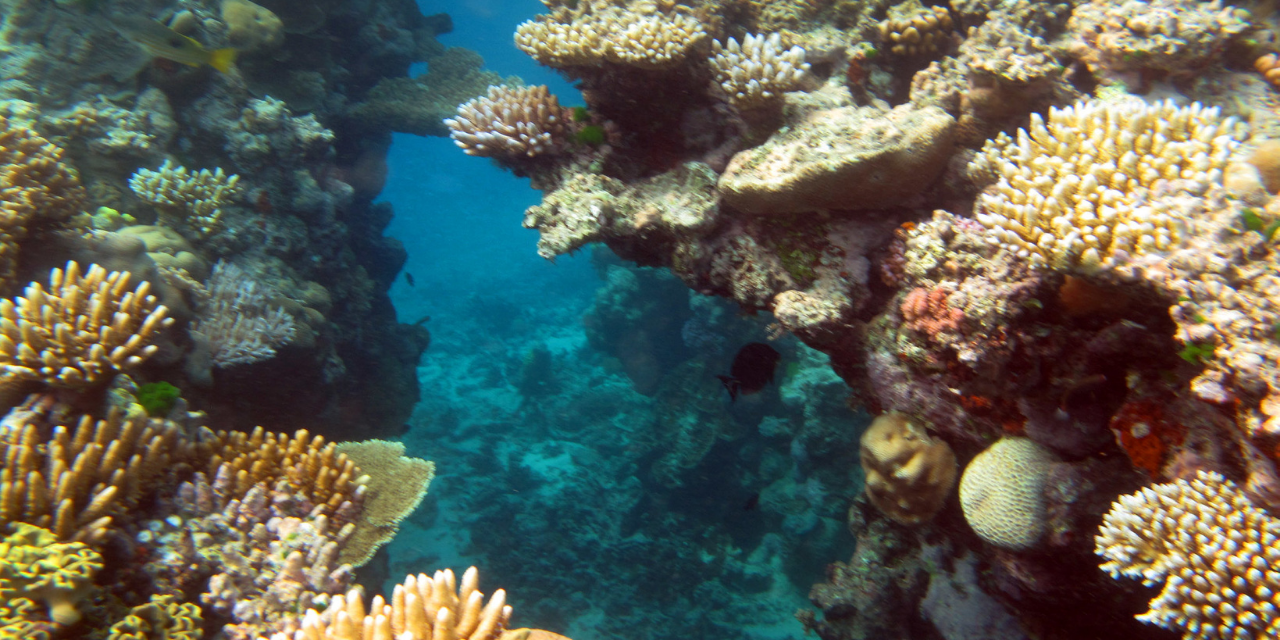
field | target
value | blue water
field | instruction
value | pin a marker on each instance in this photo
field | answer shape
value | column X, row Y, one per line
column 547, row 476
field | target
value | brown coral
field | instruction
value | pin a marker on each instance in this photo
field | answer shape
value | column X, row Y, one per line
column 909, row 473
column 917, row 30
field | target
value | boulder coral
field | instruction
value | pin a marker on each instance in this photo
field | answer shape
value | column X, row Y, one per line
column 909, row 473
column 1002, row 493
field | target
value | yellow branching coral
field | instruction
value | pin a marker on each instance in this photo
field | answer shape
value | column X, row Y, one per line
column 509, row 122
column 1082, row 189
column 73, row 480
column 758, row 71
column 191, row 198
column 598, row 31
column 308, row 465
column 396, row 486
column 33, row 564
column 421, row 608
column 1214, row 552
column 79, row 331
column 159, row 619
column 36, row 186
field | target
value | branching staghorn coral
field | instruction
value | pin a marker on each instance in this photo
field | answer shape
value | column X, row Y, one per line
column 79, row 331
column 588, row 33
column 1213, row 552
column 509, row 122
column 188, row 199
column 757, row 72
column 421, row 608
column 1076, row 191
column 238, row 322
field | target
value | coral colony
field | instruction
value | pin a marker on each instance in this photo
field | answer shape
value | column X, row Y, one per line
column 1037, row 240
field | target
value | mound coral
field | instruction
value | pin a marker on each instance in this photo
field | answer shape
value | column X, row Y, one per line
column 1002, row 493
column 909, row 473
column 1213, row 551
column 509, row 122
column 80, row 331
column 1076, row 191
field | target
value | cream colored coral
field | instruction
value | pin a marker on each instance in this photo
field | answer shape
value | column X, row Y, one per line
column 598, row 31
column 194, row 199
column 421, row 608
column 80, row 330
column 1215, row 554
column 1077, row 191
column 758, row 71
column 1002, row 492
column 509, row 122
column 909, row 473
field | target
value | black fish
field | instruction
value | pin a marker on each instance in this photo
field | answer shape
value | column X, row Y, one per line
column 408, row 277
column 752, row 369
column 752, row 502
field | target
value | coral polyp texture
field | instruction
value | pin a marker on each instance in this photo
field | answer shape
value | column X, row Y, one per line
column 509, row 122
column 1212, row 552
column 422, row 608
column 35, row 566
column 79, row 331
column 588, row 33
column 758, row 71
column 189, row 199
column 1076, row 191
column 1002, row 492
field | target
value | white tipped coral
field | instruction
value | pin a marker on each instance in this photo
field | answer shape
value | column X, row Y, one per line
column 192, row 199
column 1215, row 553
column 1079, row 190
column 509, row 122
column 598, row 32
column 758, row 71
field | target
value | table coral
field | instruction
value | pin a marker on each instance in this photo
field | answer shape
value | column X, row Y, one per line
column 80, row 330
column 1076, row 191
column 33, row 564
column 589, row 33
column 1213, row 553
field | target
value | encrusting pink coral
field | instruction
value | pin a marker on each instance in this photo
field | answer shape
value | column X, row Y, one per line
column 927, row 311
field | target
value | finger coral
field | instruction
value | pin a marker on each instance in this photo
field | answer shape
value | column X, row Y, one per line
column 34, row 565
column 80, row 330
column 758, row 71
column 74, row 480
column 509, row 122
column 592, row 32
column 1212, row 551
column 190, row 199
column 421, row 608
column 1076, row 191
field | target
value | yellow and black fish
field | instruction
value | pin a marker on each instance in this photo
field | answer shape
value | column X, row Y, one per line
column 162, row 42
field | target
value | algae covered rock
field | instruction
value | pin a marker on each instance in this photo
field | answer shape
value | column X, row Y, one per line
column 841, row 158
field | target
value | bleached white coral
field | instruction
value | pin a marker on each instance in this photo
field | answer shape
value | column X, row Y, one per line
column 1214, row 552
column 238, row 323
column 194, row 198
column 1077, row 191
column 758, row 71
column 509, row 122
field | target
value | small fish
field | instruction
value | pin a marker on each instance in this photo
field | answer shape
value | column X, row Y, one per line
column 752, row 502
column 160, row 41
column 408, row 277
column 752, row 369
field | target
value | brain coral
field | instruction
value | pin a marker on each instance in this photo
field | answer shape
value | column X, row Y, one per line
column 909, row 473
column 1215, row 553
column 1002, row 493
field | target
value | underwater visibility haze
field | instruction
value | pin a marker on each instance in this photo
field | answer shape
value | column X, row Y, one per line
column 639, row 319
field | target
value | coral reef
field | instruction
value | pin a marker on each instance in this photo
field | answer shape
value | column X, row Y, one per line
column 1212, row 552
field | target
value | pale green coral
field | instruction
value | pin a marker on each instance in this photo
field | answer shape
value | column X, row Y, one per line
column 34, row 564
column 159, row 619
